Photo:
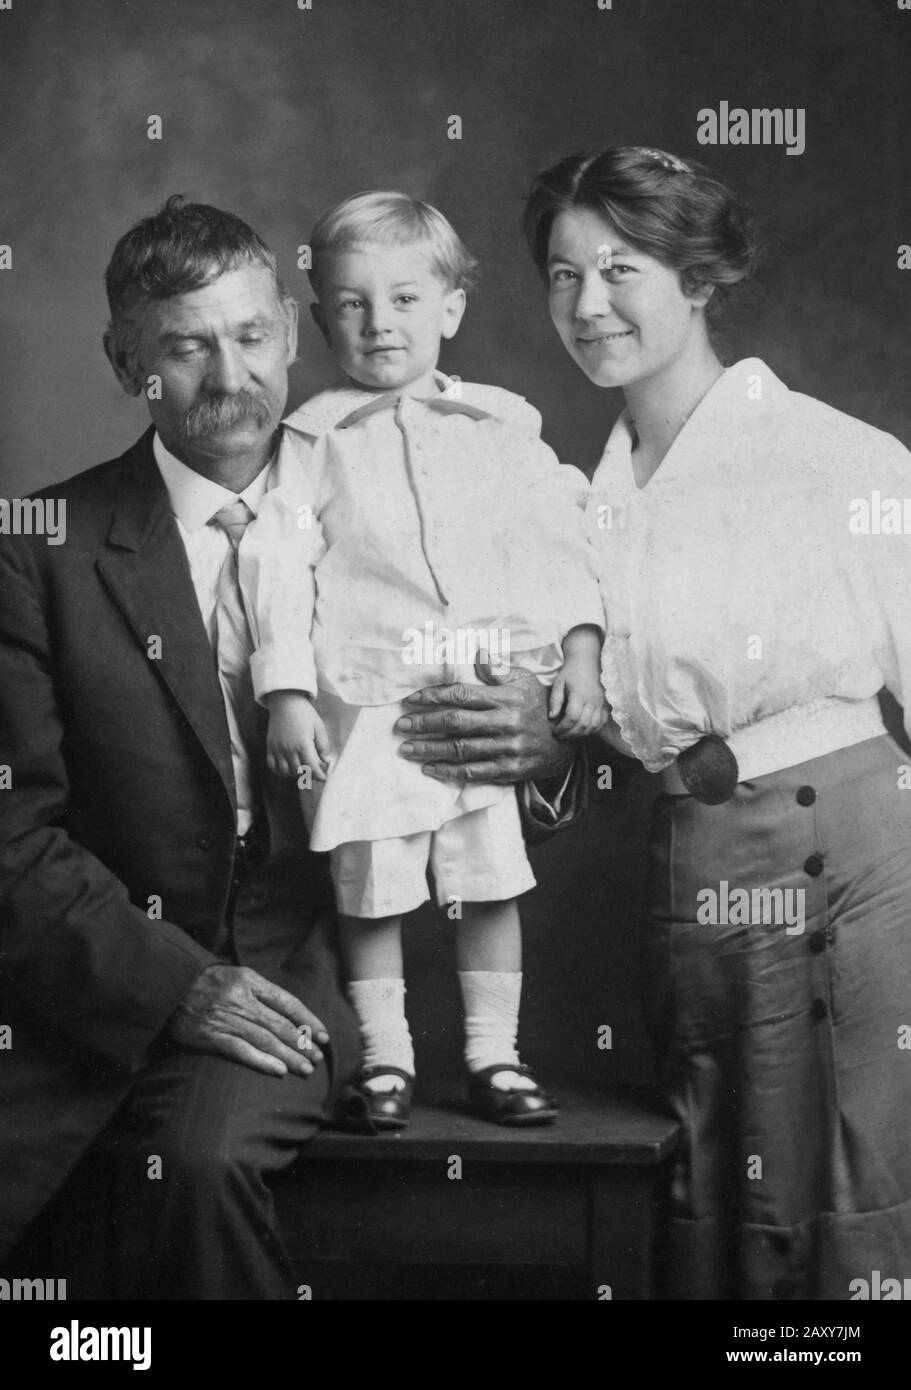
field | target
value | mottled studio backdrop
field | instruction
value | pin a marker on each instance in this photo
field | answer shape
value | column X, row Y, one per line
column 276, row 112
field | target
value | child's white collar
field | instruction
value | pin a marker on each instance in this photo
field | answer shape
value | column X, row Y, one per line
column 330, row 409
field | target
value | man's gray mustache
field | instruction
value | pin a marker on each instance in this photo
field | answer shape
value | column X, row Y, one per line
column 215, row 413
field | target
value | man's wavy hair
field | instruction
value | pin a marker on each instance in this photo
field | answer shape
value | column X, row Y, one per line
column 180, row 248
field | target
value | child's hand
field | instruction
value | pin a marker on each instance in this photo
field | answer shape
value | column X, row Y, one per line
column 297, row 736
column 577, row 700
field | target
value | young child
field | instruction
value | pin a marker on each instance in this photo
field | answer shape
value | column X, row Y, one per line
column 414, row 522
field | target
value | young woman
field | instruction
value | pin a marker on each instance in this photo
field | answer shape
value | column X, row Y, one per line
column 757, row 588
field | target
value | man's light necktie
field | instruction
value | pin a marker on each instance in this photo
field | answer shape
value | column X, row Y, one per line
column 233, row 519
column 233, row 648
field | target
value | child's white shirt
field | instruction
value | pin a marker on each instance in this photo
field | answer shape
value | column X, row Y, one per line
column 386, row 517
column 386, row 514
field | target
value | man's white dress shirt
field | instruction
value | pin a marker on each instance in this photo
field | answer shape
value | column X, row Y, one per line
column 194, row 501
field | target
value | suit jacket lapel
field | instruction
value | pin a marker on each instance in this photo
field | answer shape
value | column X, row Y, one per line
column 147, row 574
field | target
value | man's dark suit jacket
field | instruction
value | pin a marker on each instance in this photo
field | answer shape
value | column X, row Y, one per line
column 122, row 793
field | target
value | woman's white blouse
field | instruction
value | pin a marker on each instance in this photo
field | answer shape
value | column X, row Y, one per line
column 765, row 566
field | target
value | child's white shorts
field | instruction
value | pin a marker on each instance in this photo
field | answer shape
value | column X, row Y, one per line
column 476, row 857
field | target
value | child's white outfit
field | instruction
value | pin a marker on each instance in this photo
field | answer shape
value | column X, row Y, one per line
column 398, row 533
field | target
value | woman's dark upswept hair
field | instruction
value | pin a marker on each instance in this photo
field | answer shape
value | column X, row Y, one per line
column 670, row 208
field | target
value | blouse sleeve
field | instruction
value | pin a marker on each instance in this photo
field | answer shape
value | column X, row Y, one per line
column 276, row 565
column 878, row 560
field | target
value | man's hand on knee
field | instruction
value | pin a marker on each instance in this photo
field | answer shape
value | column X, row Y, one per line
column 235, row 1012
column 496, row 732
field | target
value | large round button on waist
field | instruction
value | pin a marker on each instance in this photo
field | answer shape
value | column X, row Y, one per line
column 709, row 770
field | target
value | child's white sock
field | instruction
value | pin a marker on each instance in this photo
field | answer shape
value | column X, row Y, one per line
column 386, row 1037
column 491, row 999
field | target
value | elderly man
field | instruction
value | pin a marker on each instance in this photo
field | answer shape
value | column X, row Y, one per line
column 176, row 1026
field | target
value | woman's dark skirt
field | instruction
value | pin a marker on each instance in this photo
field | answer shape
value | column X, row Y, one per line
column 783, row 1028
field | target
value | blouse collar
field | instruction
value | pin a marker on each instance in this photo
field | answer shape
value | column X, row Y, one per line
column 728, row 410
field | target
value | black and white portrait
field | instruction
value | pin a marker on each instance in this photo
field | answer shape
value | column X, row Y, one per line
column 455, row 658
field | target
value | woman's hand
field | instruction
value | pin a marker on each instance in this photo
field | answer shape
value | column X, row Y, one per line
column 497, row 732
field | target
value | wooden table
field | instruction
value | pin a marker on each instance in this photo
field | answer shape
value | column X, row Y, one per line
column 454, row 1207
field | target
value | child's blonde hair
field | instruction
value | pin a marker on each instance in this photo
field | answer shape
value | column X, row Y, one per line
column 391, row 219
